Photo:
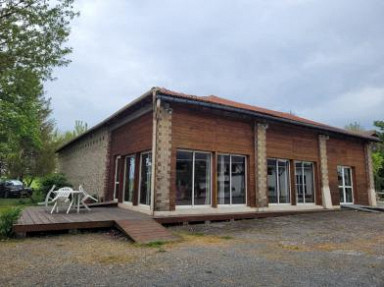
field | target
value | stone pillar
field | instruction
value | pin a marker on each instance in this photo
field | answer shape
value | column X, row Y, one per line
column 369, row 170
column 163, row 153
column 325, row 190
column 260, row 145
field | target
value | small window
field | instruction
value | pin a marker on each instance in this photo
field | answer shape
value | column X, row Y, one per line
column 305, row 187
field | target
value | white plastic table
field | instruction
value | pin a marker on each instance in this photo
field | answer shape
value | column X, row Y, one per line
column 76, row 198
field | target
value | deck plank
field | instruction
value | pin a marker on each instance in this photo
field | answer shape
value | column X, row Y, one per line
column 140, row 227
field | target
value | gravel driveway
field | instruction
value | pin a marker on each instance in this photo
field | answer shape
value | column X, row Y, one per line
column 344, row 248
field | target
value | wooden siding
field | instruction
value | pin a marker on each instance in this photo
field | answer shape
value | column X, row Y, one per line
column 203, row 131
column 131, row 138
column 347, row 153
column 293, row 143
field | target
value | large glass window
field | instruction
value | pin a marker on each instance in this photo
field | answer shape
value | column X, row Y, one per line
column 145, row 178
column 278, row 181
column 129, row 178
column 231, row 179
column 345, row 184
column 305, row 189
column 193, row 178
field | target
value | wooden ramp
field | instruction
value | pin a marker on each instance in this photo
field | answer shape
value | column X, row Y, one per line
column 139, row 227
column 145, row 231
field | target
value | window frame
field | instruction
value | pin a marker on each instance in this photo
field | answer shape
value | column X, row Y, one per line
column 116, row 177
column 343, row 186
column 140, row 177
column 278, row 183
column 230, row 180
column 125, row 177
column 313, row 183
column 193, row 180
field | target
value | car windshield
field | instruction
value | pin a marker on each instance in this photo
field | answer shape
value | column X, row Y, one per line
column 16, row 182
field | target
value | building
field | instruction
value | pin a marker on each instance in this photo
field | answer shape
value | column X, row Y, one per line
column 168, row 153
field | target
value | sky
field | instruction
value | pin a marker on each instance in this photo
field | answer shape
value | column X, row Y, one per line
column 320, row 59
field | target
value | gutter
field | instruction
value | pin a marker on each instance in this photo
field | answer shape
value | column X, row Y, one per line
column 256, row 114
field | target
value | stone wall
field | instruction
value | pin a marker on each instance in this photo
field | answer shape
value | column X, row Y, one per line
column 371, row 185
column 162, row 159
column 260, row 134
column 325, row 191
column 85, row 162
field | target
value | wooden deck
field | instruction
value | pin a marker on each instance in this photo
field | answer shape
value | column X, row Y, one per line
column 141, row 228
column 176, row 219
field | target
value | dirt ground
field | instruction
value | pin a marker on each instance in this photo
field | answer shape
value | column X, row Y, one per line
column 343, row 248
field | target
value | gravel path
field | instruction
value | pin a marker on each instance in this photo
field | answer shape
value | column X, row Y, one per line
column 344, row 248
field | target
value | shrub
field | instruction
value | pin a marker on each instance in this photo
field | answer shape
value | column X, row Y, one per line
column 37, row 196
column 49, row 180
column 7, row 218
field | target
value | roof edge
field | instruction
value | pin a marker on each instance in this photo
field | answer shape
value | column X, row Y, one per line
column 194, row 99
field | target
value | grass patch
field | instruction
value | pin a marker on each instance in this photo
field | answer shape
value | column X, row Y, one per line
column 7, row 218
column 197, row 234
column 6, row 203
column 226, row 237
column 154, row 244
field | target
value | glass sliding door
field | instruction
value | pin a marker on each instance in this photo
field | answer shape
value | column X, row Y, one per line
column 278, row 181
column 184, row 178
column 129, row 178
column 223, row 179
column 345, row 184
column 305, row 187
column 193, row 178
column 202, row 179
column 145, row 178
column 231, row 179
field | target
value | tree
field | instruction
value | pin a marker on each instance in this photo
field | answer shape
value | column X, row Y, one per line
column 378, row 157
column 32, row 34
column 355, row 127
column 32, row 37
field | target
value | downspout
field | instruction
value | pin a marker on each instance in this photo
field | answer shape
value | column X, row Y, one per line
column 156, row 106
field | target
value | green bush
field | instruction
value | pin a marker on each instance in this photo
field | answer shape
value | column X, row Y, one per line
column 49, row 180
column 7, row 218
column 37, row 196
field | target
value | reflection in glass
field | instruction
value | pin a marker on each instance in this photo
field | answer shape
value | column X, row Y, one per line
column 305, row 189
column 193, row 178
column 345, row 184
column 129, row 178
column 278, row 181
column 231, row 181
column 145, row 176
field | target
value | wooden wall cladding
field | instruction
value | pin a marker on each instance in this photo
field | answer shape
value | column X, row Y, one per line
column 347, row 153
column 294, row 143
column 131, row 138
column 289, row 142
column 203, row 131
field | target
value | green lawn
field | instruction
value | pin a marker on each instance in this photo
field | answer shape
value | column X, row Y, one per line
column 6, row 203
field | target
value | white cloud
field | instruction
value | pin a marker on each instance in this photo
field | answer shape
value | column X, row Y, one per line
column 363, row 106
column 292, row 55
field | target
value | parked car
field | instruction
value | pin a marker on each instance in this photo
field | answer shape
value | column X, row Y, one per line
column 14, row 188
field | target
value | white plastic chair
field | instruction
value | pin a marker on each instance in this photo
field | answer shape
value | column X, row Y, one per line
column 86, row 196
column 62, row 196
column 48, row 198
